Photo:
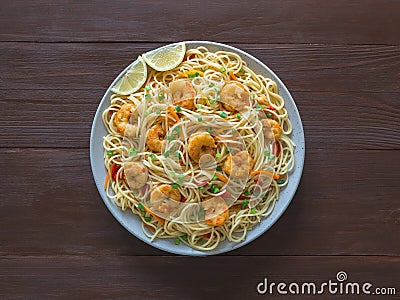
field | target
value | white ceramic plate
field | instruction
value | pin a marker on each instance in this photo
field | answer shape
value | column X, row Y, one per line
column 133, row 224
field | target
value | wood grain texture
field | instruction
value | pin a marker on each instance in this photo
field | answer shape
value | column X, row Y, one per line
column 311, row 21
column 346, row 204
column 124, row 277
column 329, row 68
column 62, row 118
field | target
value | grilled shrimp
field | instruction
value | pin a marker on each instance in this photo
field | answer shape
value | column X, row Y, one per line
column 216, row 211
column 155, row 138
column 271, row 129
column 239, row 165
column 135, row 174
column 201, row 143
column 234, row 97
column 165, row 198
column 122, row 117
column 182, row 93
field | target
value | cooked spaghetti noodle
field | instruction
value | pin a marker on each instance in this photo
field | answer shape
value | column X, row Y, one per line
column 150, row 136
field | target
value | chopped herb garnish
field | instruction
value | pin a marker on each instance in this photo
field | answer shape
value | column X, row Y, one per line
column 238, row 116
column 147, row 219
column 281, row 181
column 158, row 111
column 177, row 241
column 218, row 98
column 193, row 75
column 200, row 106
column 199, row 118
column 147, row 96
column 215, row 177
column 252, row 96
column 184, row 237
column 133, row 151
column 219, row 168
column 201, row 188
column 210, row 184
column 153, row 156
column 272, row 156
column 241, row 71
column 258, row 106
column 143, row 214
column 211, row 85
column 215, row 190
column 253, row 210
column 205, row 69
column 109, row 153
column 178, row 108
column 167, row 153
column 246, row 193
column 146, row 113
column 161, row 96
column 175, row 185
column 147, row 88
column 222, row 70
column 170, row 138
column 212, row 101
column 176, row 130
column 192, row 218
column 222, row 114
column 269, row 115
column 140, row 205
column 172, row 173
column 209, row 129
column 217, row 155
column 180, row 178
column 227, row 151
column 245, row 203
column 177, row 154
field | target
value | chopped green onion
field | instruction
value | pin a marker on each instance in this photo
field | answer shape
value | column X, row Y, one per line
column 176, row 130
column 109, row 153
column 146, row 113
column 209, row 129
column 170, row 138
column 201, row 187
column 210, row 184
column 192, row 218
column 147, row 96
column 133, row 151
column 269, row 115
column 215, row 177
column 222, row 70
column 136, row 139
column 205, row 69
column 178, row 108
column 253, row 210
column 245, row 203
column 184, row 237
column 193, row 75
column 215, row 190
column 217, row 155
column 143, row 214
column 272, row 156
column 172, row 173
column 246, row 193
column 158, row 111
column 201, row 241
column 180, row 178
column 252, row 96
column 199, row 106
column 199, row 118
column 141, row 206
column 177, row 241
column 238, row 116
column 263, row 107
column 218, row 98
column 222, row 114
column 147, row 88
column 281, row 181
column 212, row 101
column 161, row 96
column 175, row 185
column 167, row 153
column 147, row 219
column 241, row 71
column 266, row 153
column 258, row 106
column 219, row 168
column 153, row 156
column 211, row 85
column 177, row 154
column 227, row 151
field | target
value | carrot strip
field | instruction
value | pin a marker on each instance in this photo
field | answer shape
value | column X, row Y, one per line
column 222, row 177
column 161, row 220
column 106, row 181
column 232, row 75
column 173, row 113
column 149, row 227
column 275, row 176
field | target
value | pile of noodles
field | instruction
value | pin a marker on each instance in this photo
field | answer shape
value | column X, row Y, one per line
column 213, row 71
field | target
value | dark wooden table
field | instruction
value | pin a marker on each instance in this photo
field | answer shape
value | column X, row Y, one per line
column 341, row 62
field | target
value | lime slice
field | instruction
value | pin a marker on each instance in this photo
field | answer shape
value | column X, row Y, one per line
column 165, row 58
column 133, row 79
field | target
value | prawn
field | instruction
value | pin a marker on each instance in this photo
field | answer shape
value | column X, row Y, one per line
column 182, row 93
column 155, row 138
column 234, row 97
column 165, row 198
column 239, row 165
column 271, row 129
column 135, row 174
column 216, row 211
column 122, row 117
column 201, row 143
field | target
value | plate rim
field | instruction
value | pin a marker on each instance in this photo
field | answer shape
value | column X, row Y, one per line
column 179, row 249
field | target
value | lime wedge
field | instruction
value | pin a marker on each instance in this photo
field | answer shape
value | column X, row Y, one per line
column 165, row 58
column 133, row 79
